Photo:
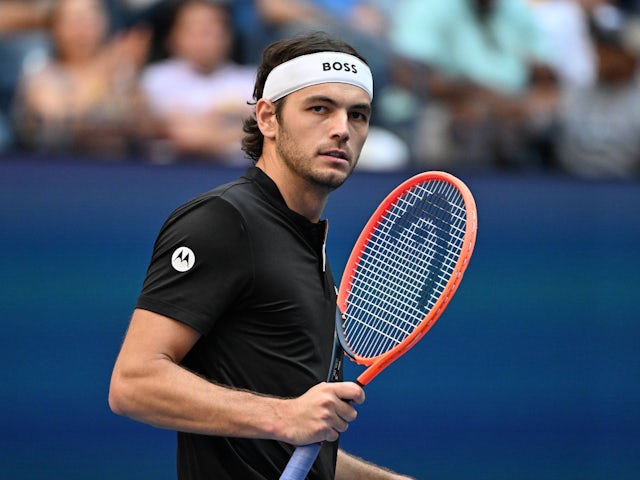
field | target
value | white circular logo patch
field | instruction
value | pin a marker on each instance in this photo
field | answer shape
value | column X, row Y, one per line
column 183, row 259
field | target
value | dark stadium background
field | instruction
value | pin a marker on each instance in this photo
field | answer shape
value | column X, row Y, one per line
column 533, row 371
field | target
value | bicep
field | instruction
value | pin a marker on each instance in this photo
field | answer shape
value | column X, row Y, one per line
column 152, row 344
column 153, row 336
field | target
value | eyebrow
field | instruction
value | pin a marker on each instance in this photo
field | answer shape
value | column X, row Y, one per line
column 366, row 107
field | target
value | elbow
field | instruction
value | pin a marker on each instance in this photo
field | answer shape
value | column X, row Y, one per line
column 117, row 395
column 114, row 402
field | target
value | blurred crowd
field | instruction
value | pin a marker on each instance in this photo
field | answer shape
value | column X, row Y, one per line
column 477, row 84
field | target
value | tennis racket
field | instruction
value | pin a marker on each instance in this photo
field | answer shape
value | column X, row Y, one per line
column 402, row 273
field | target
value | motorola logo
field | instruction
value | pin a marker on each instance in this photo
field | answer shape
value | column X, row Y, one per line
column 183, row 259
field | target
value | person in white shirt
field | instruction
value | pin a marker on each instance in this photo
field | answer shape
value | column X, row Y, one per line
column 198, row 96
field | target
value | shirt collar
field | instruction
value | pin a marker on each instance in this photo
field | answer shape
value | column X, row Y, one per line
column 317, row 231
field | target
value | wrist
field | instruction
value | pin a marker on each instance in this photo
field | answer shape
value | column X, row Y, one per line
column 275, row 425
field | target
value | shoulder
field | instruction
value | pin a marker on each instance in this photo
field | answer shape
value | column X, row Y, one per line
column 236, row 74
column 211, row 225
column 223, row 203
column 218, row 201
column 162, row 72
column 241, row 70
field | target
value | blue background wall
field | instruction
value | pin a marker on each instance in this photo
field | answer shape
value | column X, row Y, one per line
column 532, row 372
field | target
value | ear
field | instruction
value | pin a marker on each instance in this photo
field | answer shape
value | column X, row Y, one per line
column 266, row 118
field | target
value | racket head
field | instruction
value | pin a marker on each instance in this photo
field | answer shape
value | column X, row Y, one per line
column 404, row 268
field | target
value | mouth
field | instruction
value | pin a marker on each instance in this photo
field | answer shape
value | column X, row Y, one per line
column 339, row 154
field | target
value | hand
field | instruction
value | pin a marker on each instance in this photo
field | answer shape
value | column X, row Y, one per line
column 322, row 413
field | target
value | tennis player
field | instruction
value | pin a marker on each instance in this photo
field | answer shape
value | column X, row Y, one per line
column 230, row 342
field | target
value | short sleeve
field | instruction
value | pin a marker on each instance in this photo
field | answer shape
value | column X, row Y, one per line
column 201, row 264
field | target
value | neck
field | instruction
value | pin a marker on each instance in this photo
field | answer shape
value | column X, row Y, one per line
column 300, row 195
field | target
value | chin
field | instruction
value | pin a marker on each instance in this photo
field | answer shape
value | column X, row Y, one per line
column 333, row 179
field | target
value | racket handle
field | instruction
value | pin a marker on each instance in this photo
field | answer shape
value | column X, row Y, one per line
column 300, row 462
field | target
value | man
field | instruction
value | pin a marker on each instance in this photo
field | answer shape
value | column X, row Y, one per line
column 231, row 339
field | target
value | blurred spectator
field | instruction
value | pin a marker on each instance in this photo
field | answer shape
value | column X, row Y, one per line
column 21, row 39
column 565, row 23
column 199, row 96
column 84, row 99
column 481, row 69
column 600, row 134
column 21, row 15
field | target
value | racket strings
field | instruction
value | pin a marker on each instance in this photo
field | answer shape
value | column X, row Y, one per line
column 404, row 267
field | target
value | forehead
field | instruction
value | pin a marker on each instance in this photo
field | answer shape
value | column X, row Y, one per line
column 343, row 94
column 74, row 7
column 200, row 11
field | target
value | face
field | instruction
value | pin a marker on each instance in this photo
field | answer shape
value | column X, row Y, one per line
column 201, row 36
column 321, row 132
column 79, row 28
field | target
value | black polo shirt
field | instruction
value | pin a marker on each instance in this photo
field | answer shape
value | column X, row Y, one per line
column 249, row 274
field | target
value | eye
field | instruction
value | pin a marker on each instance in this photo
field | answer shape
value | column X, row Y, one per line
column 318, row 108
column 359, row 116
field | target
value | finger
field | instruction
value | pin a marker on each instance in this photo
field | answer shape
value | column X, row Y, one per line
column 332, row 436
column 340, row 425
column 346, row 412
column 349, row 391
column 360, row 398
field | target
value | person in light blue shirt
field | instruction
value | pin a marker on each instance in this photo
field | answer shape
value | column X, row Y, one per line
column 490, row 42
column 481, row 70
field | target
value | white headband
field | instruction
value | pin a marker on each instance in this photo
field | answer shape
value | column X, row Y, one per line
column 316, row 68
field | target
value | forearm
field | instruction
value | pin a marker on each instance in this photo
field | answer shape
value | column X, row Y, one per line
column 166, row 395
column 150, row 385
column 350, row 467
column 20, row 15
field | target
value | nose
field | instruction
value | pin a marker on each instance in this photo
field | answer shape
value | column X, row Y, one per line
column 340, row 126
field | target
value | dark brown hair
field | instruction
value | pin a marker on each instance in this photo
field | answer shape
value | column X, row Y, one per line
column 275, row 54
